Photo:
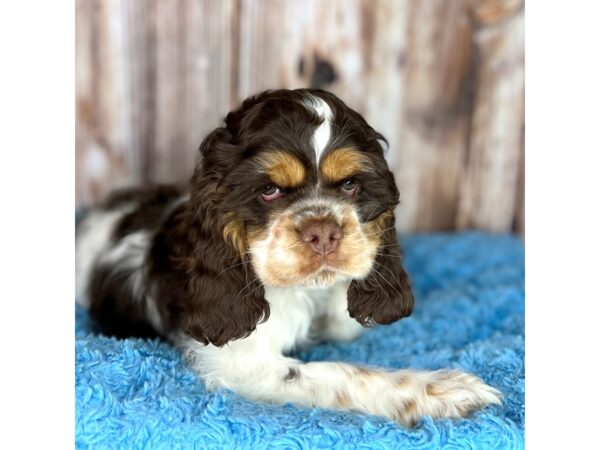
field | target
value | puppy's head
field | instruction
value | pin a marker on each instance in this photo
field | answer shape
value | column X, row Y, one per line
column 297, row 186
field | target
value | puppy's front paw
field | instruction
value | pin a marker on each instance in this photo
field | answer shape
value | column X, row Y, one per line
column 443, row 394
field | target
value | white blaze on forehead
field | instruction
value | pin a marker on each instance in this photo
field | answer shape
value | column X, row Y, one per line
column 323, row 132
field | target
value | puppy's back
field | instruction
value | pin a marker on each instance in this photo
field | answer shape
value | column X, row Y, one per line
column 112, row 245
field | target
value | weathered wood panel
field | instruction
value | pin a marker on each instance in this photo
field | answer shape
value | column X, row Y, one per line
column 105, row 155
column 192, row 88
column 441, row 79
column 490, row 181
column 435, row 134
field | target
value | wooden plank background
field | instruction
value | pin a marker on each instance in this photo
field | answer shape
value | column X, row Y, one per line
column 443, row 80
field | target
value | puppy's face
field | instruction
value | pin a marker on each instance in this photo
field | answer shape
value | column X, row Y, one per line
column 317, row 204
column 308, row 188
column 297, row 185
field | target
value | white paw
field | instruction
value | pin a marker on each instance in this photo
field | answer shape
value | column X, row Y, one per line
column 342, row 330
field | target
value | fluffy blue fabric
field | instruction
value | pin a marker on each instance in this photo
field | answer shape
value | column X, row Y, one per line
column 469, row 315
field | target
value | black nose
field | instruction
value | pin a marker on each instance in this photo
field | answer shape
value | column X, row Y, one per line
column 323, row 235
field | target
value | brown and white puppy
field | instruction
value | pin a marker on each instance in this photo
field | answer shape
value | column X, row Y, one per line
column 285, row 237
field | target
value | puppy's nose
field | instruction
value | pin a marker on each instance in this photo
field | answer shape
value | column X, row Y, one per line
column 323, row 236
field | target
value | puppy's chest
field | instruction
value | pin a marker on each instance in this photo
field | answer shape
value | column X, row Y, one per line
column 294, row 313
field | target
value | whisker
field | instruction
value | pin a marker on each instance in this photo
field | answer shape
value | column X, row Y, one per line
column 243, row 289
column 383, row 231
column 385, row 279
column 295, row 244
column 395, row 278
column 387, row 256
column 371, row 215
column 250, row 292
column 376, row 280
column 231, row 267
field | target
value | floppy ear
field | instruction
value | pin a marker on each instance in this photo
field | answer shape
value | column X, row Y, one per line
column 224, row 298
column 210, row 291
column 384, row 296
column 225, row 305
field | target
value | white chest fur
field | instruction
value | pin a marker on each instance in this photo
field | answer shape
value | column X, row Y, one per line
column 295, row 313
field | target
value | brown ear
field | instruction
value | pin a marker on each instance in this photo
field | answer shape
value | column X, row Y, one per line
column 225, row 299
column 384, row 296
column 210, row 292
column 224, row 306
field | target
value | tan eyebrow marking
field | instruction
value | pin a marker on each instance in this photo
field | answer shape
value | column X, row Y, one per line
column 284, row 169
column 342, row 163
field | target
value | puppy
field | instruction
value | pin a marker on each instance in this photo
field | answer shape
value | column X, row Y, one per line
column 285, row 237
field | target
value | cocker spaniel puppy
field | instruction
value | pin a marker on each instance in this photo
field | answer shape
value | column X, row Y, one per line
column 285, row 237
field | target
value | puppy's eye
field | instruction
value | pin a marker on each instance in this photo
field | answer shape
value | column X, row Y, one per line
column 271, row 193
column 349, row 187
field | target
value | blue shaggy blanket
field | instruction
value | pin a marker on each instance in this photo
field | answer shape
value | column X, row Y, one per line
column 469, row 315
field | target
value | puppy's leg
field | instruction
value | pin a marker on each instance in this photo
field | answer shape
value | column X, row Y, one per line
column 254, row 369
column 336, row 324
